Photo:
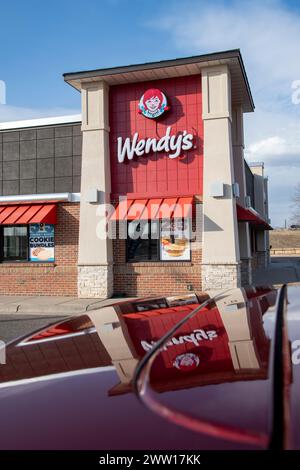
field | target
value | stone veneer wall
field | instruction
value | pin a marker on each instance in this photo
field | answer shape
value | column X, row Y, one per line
column 95, row 281
column 260, row 260
column 221, row 276
column 246, row 272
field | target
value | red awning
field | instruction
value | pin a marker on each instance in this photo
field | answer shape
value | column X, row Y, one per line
column 28, row 214
column 251, row 216
column 158, row 208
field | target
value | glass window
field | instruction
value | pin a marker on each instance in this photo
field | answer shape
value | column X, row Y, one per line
column 15, row 243
column 175, row 244
column 142, row 241
column 159, row 241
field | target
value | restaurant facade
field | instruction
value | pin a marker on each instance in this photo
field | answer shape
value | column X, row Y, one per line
column 146, row 193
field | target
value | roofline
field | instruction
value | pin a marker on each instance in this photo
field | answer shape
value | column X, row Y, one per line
column 40, row 122
column 21, row 198
column 233, row 53
column 151, row 65
column 254, row 164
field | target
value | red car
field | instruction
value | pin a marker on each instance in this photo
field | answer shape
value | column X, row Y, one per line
column 180, row 373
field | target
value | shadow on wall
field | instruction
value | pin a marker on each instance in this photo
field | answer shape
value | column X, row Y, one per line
column 210, row 226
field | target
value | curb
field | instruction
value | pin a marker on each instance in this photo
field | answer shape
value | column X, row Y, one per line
column 66, row 308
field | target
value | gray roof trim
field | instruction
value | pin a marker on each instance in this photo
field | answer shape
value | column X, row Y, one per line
column 230, row 54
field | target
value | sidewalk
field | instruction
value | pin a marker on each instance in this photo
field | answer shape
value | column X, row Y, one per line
column 51, row 305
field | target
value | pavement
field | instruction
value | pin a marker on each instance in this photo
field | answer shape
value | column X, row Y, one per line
column 13, row 326
column 282, row 269
column 20, row 315
column 50, row 305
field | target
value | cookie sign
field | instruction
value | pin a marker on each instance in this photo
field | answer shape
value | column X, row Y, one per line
column 153, row 103
column 41, row 243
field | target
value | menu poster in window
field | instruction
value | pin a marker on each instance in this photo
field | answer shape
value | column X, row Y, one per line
column 41, row 242
column 175, row 242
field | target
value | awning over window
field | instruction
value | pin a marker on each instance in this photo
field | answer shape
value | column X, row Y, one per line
column 251, row 216
column 24, row 214
column 158, row 208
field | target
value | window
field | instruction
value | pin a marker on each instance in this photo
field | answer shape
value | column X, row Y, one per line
column 15, row 243
column 32, row 243
column 175, row 240
column 253, row 240
column 159, row 240
column 142, row 241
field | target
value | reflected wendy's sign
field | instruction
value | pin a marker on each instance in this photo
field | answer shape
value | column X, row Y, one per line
column 200, row 346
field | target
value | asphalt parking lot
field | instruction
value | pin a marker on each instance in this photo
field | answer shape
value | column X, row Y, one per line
column 282, row 270
column 13, row 326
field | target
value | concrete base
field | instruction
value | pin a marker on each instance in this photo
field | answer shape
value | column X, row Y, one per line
column 221, row 276
column 95, row 281
column 246, row 272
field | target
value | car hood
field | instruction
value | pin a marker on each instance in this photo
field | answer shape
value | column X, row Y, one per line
column 103, row 381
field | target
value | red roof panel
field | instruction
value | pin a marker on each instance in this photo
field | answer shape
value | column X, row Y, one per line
column 248, row 215
column 28, row 214
column 156, row 208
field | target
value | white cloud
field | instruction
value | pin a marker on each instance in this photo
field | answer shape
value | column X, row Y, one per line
column 276, row 150
column 268, row 147
column 268, row 35
column 15, row 113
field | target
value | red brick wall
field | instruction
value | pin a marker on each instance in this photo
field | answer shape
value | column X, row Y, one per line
column 58, row 278
column 155, row 278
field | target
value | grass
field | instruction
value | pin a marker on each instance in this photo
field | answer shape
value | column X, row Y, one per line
column 285, row 238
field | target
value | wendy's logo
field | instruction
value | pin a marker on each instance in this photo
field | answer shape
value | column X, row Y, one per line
column 153, row 103
column 186, row 362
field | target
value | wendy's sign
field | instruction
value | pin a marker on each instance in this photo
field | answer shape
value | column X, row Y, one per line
column 162, row 156
column 173, row 145
column 153, row 103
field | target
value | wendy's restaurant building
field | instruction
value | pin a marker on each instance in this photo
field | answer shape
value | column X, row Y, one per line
column 39, row 206
column 146, row 193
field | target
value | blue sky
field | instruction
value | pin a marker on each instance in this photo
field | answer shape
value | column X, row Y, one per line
column 41, row 40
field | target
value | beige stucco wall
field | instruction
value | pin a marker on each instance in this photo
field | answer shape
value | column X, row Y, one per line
column 220, row 233
column 237, row 322
column 114, row 335
column 261, row 206
column 259, row 188
column 240, row 178
column 95, row 253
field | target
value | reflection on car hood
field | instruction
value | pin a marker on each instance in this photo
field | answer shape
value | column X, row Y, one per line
column 70, row 385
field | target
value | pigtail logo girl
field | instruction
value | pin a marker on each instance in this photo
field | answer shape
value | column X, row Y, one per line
column 153, row 103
